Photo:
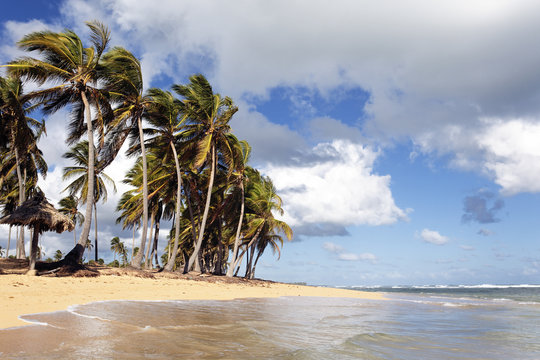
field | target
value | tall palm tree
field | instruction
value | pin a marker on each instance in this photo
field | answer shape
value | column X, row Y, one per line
column 164, row 115
column 125, row 85
column 69, row 207
column 262, row 201
column 240, row 179
column 208, row 116
column 72, row 72
column 22, row 134
column 80, row 185
column 119, row 248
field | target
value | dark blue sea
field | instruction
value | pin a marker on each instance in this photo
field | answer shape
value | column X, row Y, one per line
column 429, row 322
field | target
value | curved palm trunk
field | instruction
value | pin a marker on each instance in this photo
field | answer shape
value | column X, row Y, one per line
column 206, row 209
column 172, row 257
column 137, row 260
column 95, row 232
column 76, row 254
column 147, row 259
column 252, row 275
column 233, row 263
column 20, row 252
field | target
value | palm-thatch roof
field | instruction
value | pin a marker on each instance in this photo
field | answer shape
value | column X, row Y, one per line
column 38, row 211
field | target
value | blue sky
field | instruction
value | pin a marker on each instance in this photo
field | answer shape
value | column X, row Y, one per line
column 403, row 137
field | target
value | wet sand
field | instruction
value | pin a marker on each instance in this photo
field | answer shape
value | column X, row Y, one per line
column 22, row 294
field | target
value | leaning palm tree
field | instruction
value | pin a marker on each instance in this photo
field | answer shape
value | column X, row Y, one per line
column 125, row 85
column 244, row 150
column 69, row 207
column 208, row 116
column 72, row 72
column 22, row 132
column 164, row 115
column 80, row 184
column 262, row 201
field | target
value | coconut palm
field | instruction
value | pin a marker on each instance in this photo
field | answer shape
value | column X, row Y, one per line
column 69, row 207
column 208, row 116
column 119, row 248
column 125, row 85
column 240, row 178
column 262, row 201
column 72, row 72
column 58, row 255
column 22, row 134
column 80, row 184
column 164, row 115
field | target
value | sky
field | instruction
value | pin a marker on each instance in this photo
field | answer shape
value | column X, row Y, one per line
column 402, row 136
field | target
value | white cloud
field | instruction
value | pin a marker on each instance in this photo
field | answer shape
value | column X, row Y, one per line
column 337, row 187
column 341, row 253
column 512, row 154
column 357, row 257
column 467, row 247
column 333, row 248
column 433, row 237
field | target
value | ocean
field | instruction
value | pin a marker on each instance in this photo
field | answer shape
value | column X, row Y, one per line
column 430, row 322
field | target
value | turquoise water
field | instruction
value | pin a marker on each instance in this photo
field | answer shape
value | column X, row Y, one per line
column 412, row 324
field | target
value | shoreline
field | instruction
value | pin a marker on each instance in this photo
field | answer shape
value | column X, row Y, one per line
column 25, row 295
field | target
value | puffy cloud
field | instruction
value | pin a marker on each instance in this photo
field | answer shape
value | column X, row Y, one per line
column 433, row 237
column 341, row 254
column 476, row 208
column 336, row 186
column 512, row 154
column 332, row 247
column 357, row 257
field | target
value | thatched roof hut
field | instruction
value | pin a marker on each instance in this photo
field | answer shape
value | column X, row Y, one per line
column 38, row 213
column 38, row 210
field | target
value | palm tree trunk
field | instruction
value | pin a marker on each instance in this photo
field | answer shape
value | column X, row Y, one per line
column 252, row 275
column 136, row 262
column 172, row 258
column 20, row 240
column 96, row 231
column 250, row 263
column 147, row 258
column 155, row 246
column 133, row 243
column 251, row 245
column 206, row 209
column 76, row 254
column 232, row 265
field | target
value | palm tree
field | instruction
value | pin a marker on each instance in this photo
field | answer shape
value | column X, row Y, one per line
column 88, row 245
column 22, row 134
column 80, row 185
column 119, row 248
column 209, row 115
column 125, row 85
column 262, row 201
column 73, row 72
column 164, row 115
column 58, row 255
column 239, row 174
column 68, row 206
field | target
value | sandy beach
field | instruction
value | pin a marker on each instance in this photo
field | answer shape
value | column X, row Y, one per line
column 22, row 294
